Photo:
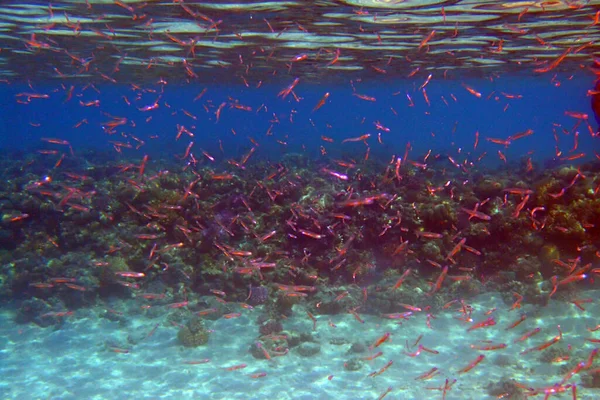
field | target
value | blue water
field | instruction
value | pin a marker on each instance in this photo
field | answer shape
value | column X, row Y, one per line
column 439, row 127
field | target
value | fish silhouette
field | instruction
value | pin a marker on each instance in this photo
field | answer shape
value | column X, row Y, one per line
column 596, row 103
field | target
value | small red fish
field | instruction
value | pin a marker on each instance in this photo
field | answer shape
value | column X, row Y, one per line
column 128, row 274
column 236, row 367
column 321, row 102
column 57, row 314
column 258, row 375
column 380, row 341
column 472, row 364
column 488, row 322
column 196, row 362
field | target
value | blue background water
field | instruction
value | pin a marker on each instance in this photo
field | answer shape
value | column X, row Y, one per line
column 426, row 127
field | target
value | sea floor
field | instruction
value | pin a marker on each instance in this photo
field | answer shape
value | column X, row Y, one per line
column 76, row 360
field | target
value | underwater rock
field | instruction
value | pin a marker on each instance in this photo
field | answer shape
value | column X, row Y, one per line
column 335, row 302
column 526, row 266
column 193, row 334
column 284, row 304
column 488, row 187
column 134, row 338
column 565, row 225
column 116, row 317
column 258, row 295
column 357, row 348
column 39, row 312
column 338, row 341
column 431, row 251
column 553, row 354
column 270, row 327
column 378, row 302
column 548, row 253
column 329, row 307
column 438, row 216
column 309, row 349
column 269, row 346
column 7, row 238
column 306, row 337
column 503, row 360
column 466, row 289
column 506, row 388
column 293, row 338
column 566, row 173
column 476, row 231
column 353, row 364
column 591, row 379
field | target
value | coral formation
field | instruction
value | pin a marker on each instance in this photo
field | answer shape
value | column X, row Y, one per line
column 193, row 334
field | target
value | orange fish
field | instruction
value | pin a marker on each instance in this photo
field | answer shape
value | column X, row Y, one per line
column 488, row 322
column 472, row 364
column 236, row 367
column 321, row 102
column 380, row 341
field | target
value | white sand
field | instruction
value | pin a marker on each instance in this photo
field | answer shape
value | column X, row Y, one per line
column 75, row 363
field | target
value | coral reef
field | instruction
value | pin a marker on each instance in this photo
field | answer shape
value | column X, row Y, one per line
column 99, row 231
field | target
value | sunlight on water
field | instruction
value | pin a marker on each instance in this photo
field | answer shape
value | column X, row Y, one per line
column 154, row 38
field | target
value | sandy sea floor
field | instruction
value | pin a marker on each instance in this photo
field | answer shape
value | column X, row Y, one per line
column 75, row 361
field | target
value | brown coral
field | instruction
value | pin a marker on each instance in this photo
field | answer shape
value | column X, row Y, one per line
column 193, row 334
